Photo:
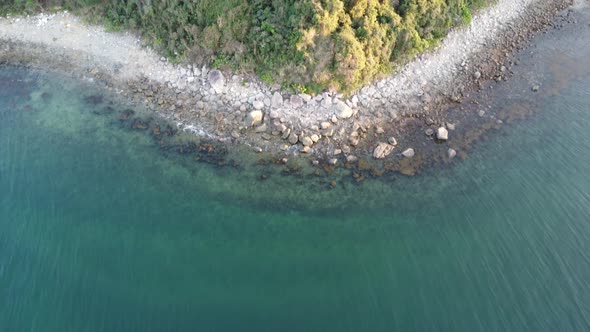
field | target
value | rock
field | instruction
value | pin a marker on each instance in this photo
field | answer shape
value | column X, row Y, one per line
column 409, row 153
column 477, row 75
column 442, row 134
column 305, row 97
column 274, row 114
column 392, row 141
column 325, row 125
column 306, row 141
column 334, row 119
column 286, row 133
column 333, row 161
column 296, row 101
column 429, row 132
column 451, row 153
column 536, row 88
column 482, row 113
column 450, row 126
column 258, row 105
column 382, row 150
column 216, row 80
column 261, row 128
column 235, row 134
column 380, row 130
column 306, row 149
column 337, row 152
column 277, row 100
column 342, row 110
column 293, row 138
column 315, row 138
column 254, row 118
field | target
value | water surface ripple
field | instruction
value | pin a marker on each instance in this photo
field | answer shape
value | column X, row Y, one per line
column 101, row 232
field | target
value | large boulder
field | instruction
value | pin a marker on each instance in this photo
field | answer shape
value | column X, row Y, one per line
column 293, row 138
column 216, row 80
column 306, row 141
column 258, row 105
column 342, row 110
column 382, row 150
column 254, row 118
column 442, row 134
column 276, row 100
column 296, row 101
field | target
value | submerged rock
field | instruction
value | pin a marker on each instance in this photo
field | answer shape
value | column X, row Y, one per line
column 351, row 158
column 382, row 150
column 409, row 153
column 451, row 153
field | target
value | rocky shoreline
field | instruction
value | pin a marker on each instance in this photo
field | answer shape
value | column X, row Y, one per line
column 391, row 125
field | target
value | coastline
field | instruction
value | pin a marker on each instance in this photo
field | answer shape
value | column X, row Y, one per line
column 331, row 130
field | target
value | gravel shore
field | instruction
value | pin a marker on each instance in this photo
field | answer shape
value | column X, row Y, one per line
column 240, row 109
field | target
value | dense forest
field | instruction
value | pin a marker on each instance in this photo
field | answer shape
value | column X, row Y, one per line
column 308, row 45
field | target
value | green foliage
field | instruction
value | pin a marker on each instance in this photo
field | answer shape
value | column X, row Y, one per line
column 308, row 45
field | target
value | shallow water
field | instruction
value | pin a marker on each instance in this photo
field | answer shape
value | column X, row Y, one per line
column 101, row 231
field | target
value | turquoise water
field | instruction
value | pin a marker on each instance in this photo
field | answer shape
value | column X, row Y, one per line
column 101, row 231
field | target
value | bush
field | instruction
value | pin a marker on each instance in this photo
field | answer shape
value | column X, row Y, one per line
column 313, row 43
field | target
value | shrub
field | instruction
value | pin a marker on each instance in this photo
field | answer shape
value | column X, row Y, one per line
column 306, row 43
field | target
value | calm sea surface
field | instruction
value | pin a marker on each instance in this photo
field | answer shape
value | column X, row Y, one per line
column 101, row 231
